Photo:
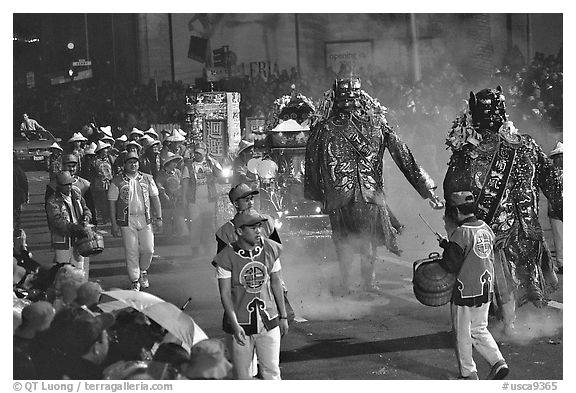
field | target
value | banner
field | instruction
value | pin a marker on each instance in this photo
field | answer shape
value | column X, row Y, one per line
column 234, row 130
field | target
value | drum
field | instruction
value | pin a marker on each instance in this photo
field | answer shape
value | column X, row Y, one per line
column 91, row 243
column 431, row 283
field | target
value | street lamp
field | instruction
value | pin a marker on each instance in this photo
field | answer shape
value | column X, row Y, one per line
column 71, row 71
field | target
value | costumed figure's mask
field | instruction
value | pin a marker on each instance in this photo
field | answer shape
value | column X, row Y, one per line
column 347, row 94
column 488, row 109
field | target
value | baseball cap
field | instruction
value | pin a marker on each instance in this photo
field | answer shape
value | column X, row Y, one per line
column 88, row 294
column 247, row 218
column 38, row 315
column 460, row 198
column 67, row 158
column 241, row 190
column 64, row 178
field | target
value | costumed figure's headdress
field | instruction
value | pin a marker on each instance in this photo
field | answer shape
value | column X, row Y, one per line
column 295, row 106
column 488, row 108
column 484, row 111
column 347, row 94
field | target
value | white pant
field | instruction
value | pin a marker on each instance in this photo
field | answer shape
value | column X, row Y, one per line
column 557, row 233
column 77, row 260
column 470, row 325
column 138, row 246
column 202, row 215
column 267, row 346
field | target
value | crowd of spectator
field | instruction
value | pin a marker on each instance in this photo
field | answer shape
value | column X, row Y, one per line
column 533, row 93
column 62, row 332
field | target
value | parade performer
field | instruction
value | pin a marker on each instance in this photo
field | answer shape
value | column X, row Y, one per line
column 101, row 182
column 87, row 162
column 242, row 197
column 151, row 158
column 80, row 184
column 344, row 171
column 169, row 182
column 248, row 272
column 135, row 134
column 241, row 173
column 469, row 253
column 199, row 189
column 67, row 215
column 131, row 146
column 132, row 196
column 120, row 143
column 506, row 171
column 54, row 160
column 76, row 146
column 173, row 143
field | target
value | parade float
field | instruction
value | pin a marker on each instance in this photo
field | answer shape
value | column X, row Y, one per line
column 281, row 149
column 214, row 118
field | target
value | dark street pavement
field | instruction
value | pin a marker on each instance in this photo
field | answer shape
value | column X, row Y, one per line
column 389, row 337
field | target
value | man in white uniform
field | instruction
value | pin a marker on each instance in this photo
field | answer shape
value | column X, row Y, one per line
column 131, row 194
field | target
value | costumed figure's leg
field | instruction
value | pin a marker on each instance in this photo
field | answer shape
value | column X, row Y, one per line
column 535, row 272
column 524, row 273
column 367, row 269
column 345, row 254
column 341, row 236
column 504, row 290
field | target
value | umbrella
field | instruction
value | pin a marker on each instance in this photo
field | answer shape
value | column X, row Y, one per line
column 167, row 315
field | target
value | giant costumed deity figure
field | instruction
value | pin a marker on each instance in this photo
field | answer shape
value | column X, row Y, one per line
column 506, row 171
column 344, row 171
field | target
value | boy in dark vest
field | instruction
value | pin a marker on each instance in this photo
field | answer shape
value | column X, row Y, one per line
column 469, row 253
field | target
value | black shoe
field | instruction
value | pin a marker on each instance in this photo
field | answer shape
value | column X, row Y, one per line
column 499, row 370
